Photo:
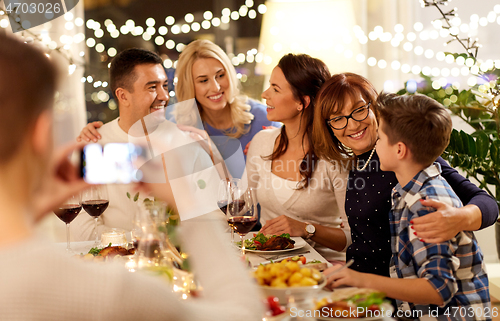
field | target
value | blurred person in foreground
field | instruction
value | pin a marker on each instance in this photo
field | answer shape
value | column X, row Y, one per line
column 37, row 283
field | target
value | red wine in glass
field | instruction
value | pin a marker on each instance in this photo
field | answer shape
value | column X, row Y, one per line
column 135, row 243
column 68, row 212
column 95, row 201
column 233, row 206
column 236, row 206
column 241, row 212
column 223, row 206
column 242, row 224
column 95, row 207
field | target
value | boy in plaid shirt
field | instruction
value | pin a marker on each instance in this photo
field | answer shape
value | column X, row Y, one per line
column 445, row 281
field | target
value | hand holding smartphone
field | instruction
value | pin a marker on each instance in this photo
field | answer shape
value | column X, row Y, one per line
column 112, row 163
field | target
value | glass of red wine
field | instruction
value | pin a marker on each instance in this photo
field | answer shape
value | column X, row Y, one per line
column 242, row 211
column 67, row 213
column 225, row 186
column 95, row 201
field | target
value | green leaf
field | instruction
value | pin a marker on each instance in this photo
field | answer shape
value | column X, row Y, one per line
column 482, row 142
column 402, row 91
column 496, row 156
column 465, row 162
column 455, row 161
column 456, row 142
column 494, row 151
column 464, row 138
column 451, row 145
column 490, row 180
column 472, row 146
column 136, row 197
column 463, row 97
column 128, row 195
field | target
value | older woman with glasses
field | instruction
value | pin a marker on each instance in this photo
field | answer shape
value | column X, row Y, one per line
column 345, row 131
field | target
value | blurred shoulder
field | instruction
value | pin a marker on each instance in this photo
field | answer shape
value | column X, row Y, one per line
column 438, row 188
column 111, row 132
column 111, row 126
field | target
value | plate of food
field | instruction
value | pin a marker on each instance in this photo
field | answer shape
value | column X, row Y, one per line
column 289, row 278
column 98, row 254
column 354, row 304
column 270, row 244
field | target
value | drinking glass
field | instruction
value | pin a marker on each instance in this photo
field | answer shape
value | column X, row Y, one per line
column 67, row 213
column 242, row 211
column 95, row 201
column 222, row 200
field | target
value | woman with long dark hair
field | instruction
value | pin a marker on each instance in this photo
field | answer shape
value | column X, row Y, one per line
column 299, row 194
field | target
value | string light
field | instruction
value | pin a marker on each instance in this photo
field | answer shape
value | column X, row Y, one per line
column 396, row 39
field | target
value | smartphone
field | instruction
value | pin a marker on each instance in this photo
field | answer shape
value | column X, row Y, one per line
column 113, row 163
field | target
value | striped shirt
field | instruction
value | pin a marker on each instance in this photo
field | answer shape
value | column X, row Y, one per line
column 454, row 268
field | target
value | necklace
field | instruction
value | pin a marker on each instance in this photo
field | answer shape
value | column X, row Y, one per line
column 366, row 163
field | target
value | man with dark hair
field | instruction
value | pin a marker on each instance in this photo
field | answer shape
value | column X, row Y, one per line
column 36, row 282
column 122, row 73
column 139, row 84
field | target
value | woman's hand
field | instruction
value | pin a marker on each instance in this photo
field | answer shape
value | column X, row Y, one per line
column 89, row 132
column 346, row 277
column 442, row 225
column 201, row 136
column 284, row 224
column 196, row 134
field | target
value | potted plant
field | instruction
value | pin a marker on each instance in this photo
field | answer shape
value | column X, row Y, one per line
column 477, row 154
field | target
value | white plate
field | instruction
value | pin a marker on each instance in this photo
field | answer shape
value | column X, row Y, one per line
column 299, row 243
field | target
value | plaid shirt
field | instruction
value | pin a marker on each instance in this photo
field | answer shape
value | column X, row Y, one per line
column 454, row 268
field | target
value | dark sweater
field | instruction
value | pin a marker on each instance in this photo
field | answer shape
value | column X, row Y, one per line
column 368, row 202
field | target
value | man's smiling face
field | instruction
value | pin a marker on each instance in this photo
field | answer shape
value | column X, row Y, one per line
column 149, row 91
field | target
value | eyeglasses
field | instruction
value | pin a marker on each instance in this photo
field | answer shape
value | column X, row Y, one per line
column 358, row 114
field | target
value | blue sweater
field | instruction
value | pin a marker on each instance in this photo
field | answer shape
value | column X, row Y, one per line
column 230, row 148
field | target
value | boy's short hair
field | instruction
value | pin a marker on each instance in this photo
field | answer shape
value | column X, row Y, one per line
column 121, row 72
column 418, row 121
column 28, row 81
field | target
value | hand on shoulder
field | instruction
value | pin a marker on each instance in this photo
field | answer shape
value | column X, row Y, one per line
column 90, row 133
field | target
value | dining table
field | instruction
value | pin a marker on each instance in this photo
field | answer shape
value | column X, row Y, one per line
column 254, row 259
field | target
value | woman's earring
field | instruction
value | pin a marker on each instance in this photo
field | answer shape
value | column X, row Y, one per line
column 299, row 108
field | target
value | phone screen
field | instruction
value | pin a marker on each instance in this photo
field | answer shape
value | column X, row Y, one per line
column 110, row 164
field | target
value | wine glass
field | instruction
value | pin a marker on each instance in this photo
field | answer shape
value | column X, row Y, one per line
column 224, row 189
column 95, row 201
column 67, row 213
column 242, row 211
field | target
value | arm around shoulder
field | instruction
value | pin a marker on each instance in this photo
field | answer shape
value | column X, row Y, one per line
column 480, row 210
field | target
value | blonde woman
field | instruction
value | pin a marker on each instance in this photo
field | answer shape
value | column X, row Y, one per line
column 205, row 72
